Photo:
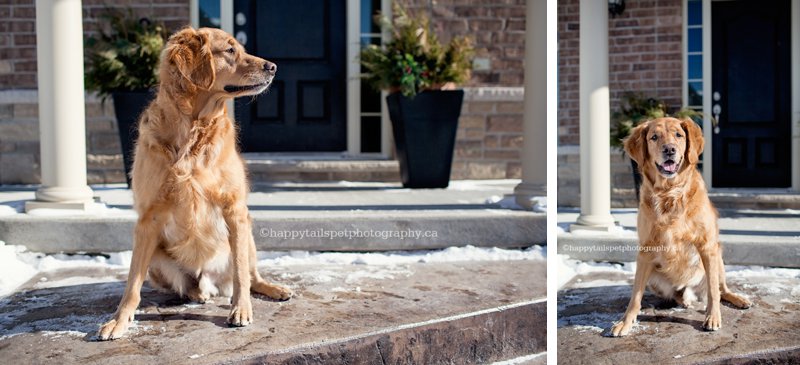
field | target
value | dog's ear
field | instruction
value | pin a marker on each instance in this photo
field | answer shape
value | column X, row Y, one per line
column 189, row 51
column 694, row 140
column 636, row 145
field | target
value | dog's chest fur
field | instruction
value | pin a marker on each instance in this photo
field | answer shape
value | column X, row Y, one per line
column 195, row 231
column 675, row 230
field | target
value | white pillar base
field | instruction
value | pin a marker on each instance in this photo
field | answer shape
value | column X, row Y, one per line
column 62, row 197
column 600, row 223
column 525, row 191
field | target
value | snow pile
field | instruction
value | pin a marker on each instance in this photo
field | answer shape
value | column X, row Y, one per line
column 569, row 268
column 13, row 271
column 6, row 210
column 538, row 203
column 17, row 266
column 452, row 254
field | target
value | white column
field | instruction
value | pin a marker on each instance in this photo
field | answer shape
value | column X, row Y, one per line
column 594, row 118
column 534, row 129
column 62, row 127
column 795, row 95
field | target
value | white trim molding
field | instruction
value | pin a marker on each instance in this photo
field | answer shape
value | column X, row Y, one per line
column 708, row 128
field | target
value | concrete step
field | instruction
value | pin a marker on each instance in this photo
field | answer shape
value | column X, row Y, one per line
column 423, row 313
column 765, row 333
column 310, row 216
column 726, row 198
column 273, row 167
column 749, row 237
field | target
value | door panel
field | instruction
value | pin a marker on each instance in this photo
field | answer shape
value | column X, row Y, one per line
column 752, row 75
column 305, row 108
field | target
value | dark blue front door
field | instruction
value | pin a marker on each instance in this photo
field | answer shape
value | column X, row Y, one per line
column 751, row 59
column 305, row 109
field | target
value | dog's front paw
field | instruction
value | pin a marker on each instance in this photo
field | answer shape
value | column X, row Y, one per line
column 114, row 328
column 713, row 321
column 241, row 314
column 621, row 328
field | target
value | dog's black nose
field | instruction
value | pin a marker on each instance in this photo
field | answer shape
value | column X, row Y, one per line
column 670, row 150
column 270, row 67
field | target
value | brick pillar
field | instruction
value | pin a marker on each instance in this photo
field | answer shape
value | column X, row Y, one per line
column 62, row 125
column 594, row 118
column 534, row 129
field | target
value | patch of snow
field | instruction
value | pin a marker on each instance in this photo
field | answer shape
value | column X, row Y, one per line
column 13, row 271
column 569, row 268
column 57, row 334
column 6, row 210
column 505, row 202
column 17, row 266
column 94, row 209
column 473, row 185
column 734, row 271
column 522, row 359
column 74, row 280
column 196, row 356
column 452, row 254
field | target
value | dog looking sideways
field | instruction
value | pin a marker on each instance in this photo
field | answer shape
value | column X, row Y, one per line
column 680, row 252
column 189, row 183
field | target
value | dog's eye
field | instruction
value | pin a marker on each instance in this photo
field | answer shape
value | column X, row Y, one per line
column 679, row 135
column 654, row 138
column 231, row 50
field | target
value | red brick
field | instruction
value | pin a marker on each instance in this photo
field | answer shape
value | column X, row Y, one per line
column 504, row 123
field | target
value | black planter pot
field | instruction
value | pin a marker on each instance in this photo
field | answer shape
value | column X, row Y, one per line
column 425, row 132
column 637, row 178
column 128, row 106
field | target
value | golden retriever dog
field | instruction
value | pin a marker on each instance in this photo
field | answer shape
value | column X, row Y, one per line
column 194, row 231
column 680, row 252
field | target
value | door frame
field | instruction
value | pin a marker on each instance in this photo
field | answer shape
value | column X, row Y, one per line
column 353, row 76
column 707, row 89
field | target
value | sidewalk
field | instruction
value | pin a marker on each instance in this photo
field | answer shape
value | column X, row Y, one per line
column 749, row 237
column 359, row 216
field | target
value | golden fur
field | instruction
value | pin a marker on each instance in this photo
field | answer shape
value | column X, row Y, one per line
column 189, row 183
column 680, row 252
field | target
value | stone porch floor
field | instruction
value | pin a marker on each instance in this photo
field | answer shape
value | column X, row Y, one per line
column 424, row 313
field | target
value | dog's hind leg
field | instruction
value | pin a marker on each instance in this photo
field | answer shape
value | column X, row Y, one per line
column 726, row 294
column 261, row 286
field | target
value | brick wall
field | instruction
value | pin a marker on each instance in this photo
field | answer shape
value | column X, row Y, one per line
column 19, row 124
column 489, row 137
column 19, row 140
column 18, row 31
column 496, row 26
column 645, row 55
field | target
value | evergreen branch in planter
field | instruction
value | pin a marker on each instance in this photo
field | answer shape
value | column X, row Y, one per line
column 414, row 60
column 125, row 58
column 636, row 109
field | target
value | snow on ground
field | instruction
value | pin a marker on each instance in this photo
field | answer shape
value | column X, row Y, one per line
column 17, row 266
column 95, row 209
column 538, row 203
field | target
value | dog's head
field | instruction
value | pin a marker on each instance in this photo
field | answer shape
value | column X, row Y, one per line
column 211, row 60
column 670, row 145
